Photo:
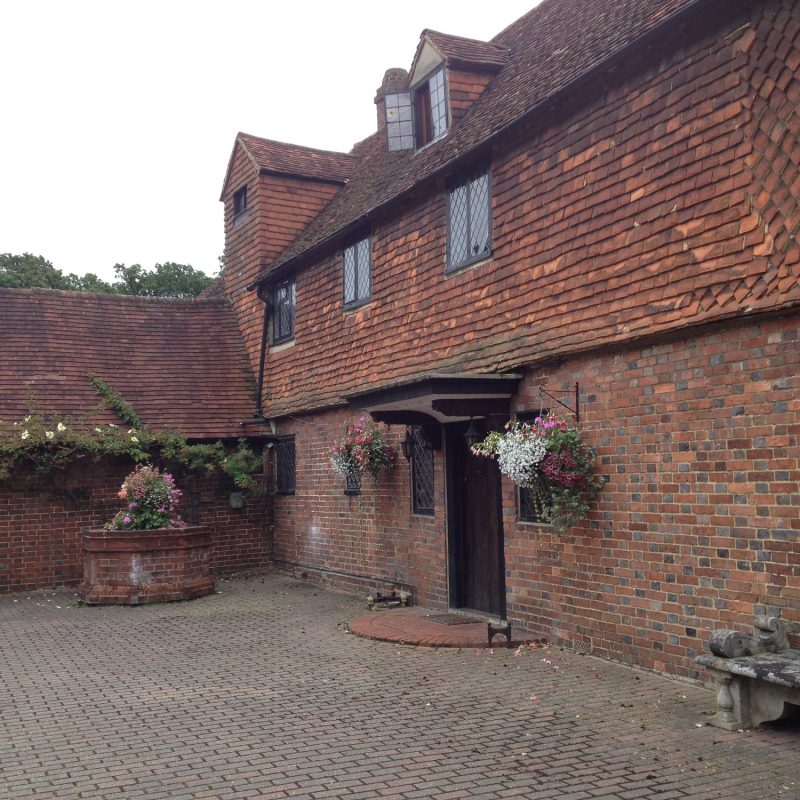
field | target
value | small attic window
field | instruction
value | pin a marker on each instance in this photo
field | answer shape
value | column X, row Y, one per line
column 430, row 108
column 239, row 202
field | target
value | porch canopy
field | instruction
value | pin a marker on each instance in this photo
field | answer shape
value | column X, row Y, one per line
column 436, row 399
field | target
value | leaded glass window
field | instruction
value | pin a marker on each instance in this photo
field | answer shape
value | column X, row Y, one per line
column 283, row 312
column 357, row 273
column 528, row 508
column 430, row 101
column 285, row 466
column 469, row 231
column 421, row 472
column 352, row 483
column 438, row 103
column 399, row 121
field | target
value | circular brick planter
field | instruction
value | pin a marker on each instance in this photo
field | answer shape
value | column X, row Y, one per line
column 133, row 567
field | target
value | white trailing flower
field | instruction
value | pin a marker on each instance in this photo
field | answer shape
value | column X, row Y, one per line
column 25, row 434
column 518, row 456
column 49, row 435
column 340, row 465
column 61, row 427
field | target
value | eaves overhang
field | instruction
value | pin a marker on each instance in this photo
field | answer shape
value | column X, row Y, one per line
column 438, row 397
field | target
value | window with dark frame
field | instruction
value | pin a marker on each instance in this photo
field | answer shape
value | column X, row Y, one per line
column 469, row 225
column 283, row 312
column 240, row 202
column 527, row 507
column 352, row 483
column 285, row 466
column 421, row 472
column 357, row 273
column 430, row 109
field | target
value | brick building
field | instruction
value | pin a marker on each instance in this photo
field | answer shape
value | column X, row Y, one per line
column 600, row 202
column 605, row 195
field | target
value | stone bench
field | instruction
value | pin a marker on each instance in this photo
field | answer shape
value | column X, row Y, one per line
column 756, row 676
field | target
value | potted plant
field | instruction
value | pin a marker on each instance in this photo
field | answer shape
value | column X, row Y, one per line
column 548, row 457
column 363, row 448
column 146, row 553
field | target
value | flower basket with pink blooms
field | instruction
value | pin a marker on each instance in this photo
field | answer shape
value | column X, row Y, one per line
column 363, row 448
column 548, row 457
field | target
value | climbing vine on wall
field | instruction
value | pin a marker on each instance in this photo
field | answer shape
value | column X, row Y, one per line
column 50, row 442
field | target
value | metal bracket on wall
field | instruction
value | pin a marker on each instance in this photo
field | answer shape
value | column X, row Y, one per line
column 576, row 411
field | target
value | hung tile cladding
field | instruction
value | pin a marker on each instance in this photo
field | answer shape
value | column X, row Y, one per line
column 605, row 193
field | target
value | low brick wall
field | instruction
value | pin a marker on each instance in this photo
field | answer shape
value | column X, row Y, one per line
column 41, row 521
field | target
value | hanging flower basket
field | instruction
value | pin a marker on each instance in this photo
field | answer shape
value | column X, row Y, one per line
column 363, row 449
column 548, row 457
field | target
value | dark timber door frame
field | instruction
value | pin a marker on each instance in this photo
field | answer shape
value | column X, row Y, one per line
column 476, row 562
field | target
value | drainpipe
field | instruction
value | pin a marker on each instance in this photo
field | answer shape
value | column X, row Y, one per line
column 262, row 358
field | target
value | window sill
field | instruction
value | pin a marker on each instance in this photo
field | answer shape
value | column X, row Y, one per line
column 279, row 347
column 432, row 142
column 359, row 306
column 478, row 262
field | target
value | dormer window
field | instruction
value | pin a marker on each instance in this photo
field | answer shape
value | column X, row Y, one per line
column 239, row 203
column 418, row 117
column 430, row 109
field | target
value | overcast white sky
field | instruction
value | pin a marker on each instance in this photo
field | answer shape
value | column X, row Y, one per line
column 117, row 119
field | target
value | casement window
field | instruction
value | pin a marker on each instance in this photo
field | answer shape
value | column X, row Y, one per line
column 418, row 117
column 400, row 121
column 240, row 202
column 283, row 312
column 469, row 222
column 430, row 109
column 357, row 273
column 285, row 466
column 421, row 472
column 528, row 510
column 352, row 483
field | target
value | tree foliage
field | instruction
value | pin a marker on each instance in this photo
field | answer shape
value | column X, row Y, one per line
column 169, row 279
column 164, row 280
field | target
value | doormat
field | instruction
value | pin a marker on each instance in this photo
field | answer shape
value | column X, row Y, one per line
column 453, row 619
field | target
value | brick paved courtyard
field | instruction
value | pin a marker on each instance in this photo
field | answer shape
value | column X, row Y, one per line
column 259, row 692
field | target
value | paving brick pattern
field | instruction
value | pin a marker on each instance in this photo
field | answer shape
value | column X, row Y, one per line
column 258, row 692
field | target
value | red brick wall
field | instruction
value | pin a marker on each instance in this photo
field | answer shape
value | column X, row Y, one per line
column 645, row 212
column 41, row 521
column 373, row 535
column 699, row 525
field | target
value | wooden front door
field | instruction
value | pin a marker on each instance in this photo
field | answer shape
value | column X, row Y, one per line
column 477, row 570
